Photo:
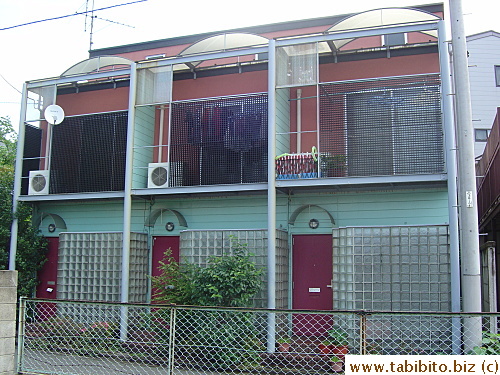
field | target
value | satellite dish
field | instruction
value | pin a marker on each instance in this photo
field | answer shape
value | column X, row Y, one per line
column 54, row 114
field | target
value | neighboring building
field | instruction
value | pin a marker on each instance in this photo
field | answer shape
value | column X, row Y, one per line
column 484, row 75
column 319, row 143
column 488, row 198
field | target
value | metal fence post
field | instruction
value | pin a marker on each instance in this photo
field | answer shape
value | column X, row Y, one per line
column 171, row 340
column 20, row 332
column 362, row 333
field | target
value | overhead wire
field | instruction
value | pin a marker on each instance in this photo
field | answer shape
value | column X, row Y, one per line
column 71, row 15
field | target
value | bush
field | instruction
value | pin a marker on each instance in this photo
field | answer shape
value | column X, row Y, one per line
column 228, row 280
column 222, row 338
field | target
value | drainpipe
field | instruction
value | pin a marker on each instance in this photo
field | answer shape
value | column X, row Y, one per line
column 271, row 198
column 469, row 226
column 17, row 179
column 160, row 135
column 451, row 170
column 127, row 202
column 299, row 121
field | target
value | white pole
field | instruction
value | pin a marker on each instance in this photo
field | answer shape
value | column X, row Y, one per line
column 467, row 199
column 271, row 198
column 17, row 179
column 127, row 203
column 451, row 170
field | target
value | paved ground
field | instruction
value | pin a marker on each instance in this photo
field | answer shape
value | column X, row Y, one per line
column 35, row 362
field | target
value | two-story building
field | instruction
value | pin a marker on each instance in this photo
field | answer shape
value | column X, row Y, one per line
column 325, row 145
column 484, row 75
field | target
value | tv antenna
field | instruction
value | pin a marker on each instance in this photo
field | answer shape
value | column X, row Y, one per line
column 90, row 23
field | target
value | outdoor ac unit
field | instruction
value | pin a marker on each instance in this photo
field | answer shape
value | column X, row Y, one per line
column 157, row 174
column 38, row 183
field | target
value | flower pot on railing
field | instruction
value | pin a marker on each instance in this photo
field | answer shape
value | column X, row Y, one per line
column 295, row 166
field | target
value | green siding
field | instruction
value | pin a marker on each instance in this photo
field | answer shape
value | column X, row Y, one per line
column 143, row 140
column 96, row 216
column 282, row 121
column 392, row 207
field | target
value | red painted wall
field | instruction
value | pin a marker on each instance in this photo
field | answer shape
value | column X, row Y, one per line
column 94, row 101
column 230, row 84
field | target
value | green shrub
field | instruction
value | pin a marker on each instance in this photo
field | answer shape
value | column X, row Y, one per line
column 490, row 345
column 228, row 280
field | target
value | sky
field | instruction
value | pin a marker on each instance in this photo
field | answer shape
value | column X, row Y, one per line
column 46, row 49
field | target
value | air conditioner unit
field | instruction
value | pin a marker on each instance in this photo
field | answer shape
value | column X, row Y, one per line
column 157, row 174
column 38, row 183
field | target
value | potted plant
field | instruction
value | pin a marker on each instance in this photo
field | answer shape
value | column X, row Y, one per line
column 332, row 165
column 336, row 343
column 336, row 363
column 283, row 344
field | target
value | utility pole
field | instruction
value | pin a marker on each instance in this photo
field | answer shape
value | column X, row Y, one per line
column 467, row 196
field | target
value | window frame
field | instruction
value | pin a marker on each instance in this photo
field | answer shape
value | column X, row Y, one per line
column 481, row 139
column 497, row 75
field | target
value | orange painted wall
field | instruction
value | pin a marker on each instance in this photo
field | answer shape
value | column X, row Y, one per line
column 94, row 101
column 230, row 84
column 385, row 67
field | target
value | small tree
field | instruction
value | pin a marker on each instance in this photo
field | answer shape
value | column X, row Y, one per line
column 173, row 284
column 228, row 280
column 231, row 280
column 31, row 247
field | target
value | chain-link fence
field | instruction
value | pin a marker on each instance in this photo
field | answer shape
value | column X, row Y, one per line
column 69, row 337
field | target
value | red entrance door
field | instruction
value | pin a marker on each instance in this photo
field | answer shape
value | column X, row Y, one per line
column 312, row 275
column 160, row 245
column 47, row 288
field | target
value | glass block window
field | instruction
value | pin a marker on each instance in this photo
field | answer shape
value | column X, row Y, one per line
column 392, row 268
column 382, row 127
column 197, row 246
column 297, row 65
column 89, row 267
column 88, row 154
column 220, row 141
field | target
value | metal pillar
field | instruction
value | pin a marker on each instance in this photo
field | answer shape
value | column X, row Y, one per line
column 451, row 169
column 127, row 203
column 271, row 198
column 17, row 179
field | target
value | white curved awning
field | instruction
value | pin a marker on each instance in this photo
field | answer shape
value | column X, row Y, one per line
column 224, row 42
column 379, row 18
column 96, row 64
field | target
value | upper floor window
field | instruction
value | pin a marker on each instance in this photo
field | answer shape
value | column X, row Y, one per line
column 481, row 135
column 394, row 39
column 497, row 75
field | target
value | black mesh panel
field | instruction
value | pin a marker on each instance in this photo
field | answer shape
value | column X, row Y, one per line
column 88, row 154
column 31, row 154
column 221, row 141
column 382, row 127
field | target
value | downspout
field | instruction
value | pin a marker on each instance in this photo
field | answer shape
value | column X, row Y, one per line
column 271, row 198
column 127, row 200
column 160, row 135
column 451, row 170
column 17, row 179
column 299, row 121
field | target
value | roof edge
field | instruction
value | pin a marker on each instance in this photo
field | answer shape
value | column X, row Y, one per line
column 483, row 34
column 259, row 29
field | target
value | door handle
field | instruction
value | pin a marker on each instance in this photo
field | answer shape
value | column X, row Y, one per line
column 328, row 286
